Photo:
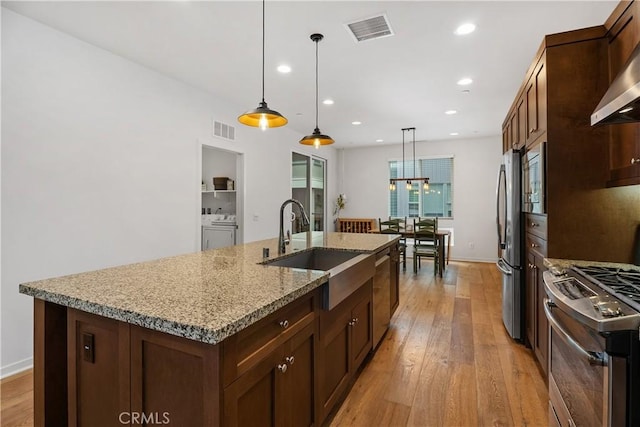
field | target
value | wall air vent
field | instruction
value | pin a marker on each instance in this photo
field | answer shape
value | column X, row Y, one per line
column 371, row 28
column 223, row 130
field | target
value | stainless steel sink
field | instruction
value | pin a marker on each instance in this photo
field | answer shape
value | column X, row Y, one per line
column 348, row 270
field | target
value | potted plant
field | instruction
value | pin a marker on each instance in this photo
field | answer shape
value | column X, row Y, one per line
column 341, row 201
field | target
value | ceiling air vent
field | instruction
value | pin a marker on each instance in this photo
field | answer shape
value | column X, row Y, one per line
column 370, row 28
column 223, row 130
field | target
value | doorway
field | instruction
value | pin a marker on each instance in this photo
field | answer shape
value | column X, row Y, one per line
column 308, row 184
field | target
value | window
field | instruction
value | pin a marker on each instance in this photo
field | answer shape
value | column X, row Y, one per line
column 434, row 202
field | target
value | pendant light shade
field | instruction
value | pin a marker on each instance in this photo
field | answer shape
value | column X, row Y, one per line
column 317, row 138
column 263, row 117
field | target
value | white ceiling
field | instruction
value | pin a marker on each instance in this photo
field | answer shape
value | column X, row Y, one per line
column 407, row 80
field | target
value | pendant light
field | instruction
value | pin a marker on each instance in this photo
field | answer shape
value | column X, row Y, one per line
column 263, row 117
column 409, row 181
column 316, row 138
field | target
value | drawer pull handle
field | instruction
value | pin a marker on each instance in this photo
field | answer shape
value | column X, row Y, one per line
column 533, row 245
column 534, row 224
column 284, row 324
column 290, row 360
column 351, row 323
column 634, row 161
column 282, row 367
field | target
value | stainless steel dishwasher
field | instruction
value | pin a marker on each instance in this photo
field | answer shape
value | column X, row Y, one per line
column 381, row 295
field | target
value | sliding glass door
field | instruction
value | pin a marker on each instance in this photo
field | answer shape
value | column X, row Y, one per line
column 308, row 183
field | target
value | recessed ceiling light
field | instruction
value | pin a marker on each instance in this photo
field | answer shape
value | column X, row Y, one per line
column 465, row 81
column 356, row 123
column 450, row 112
column 454, row 133
column 466, row 28
column 379, row 140
column 328, row 102
column 284, row 69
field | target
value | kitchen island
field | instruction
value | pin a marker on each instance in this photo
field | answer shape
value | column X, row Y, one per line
column 209, row 338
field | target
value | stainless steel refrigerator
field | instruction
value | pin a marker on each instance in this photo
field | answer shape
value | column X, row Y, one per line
column 510, row 237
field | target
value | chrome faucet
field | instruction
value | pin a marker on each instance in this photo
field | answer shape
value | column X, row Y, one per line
column 305, row 222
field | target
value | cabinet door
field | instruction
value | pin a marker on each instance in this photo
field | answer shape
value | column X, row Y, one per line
column 531, row 300
column 174, row 379
column 394, row 282
column 98, row 368
column 542, row 325
column 217, row 237
column 521, row 113
column 300, row 397
column 513, row 124
column 335, row 355
column 506, row 145
column 624, row 145
column 361, row 332
column 254, row 399
column 536, row 94
column 382, row 296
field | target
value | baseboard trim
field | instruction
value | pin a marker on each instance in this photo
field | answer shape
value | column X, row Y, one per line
column 491, row 261
column 16, row 368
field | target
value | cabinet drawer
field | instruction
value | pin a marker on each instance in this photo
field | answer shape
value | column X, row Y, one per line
column 536, row 224
column 536, row 244
column 246, row 348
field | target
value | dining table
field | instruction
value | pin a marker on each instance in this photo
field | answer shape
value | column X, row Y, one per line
column 441, row 236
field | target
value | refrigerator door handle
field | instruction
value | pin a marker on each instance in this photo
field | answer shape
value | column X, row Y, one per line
column 503, row 267
column 502, row 178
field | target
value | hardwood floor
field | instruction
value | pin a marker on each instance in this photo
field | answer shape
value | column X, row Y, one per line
column 445, row 361
column 16, row 396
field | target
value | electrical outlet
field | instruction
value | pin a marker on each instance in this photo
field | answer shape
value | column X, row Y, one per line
column 472, row 245
column 256, row 217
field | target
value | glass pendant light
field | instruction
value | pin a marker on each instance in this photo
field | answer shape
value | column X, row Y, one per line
column 263, row 117
column 316, row 138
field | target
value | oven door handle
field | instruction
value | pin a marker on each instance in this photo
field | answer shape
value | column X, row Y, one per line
column 593, row 357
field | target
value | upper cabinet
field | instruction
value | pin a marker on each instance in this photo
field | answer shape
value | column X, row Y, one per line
column 536, row 102
column 624, row 145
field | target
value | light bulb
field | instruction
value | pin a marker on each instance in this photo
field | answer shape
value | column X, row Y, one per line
column 425, row 186
column 316, row 143
column 408, row 185
column 263, row 123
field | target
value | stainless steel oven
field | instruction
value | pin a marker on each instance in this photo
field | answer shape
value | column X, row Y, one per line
column 594, row 346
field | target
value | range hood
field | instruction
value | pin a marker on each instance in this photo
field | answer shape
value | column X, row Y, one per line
column 621, row 103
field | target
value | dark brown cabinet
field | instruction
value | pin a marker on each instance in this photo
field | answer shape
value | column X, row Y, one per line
column 394, row 282
column 277, row 391
column 345, row 340
column 536, row 324
column 536, row 102
column 624, row 144
column 290, row 368
column 520, row 137
column 98, row 369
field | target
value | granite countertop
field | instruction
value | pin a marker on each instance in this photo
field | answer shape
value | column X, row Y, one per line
column 205, row 296
column 558, row 266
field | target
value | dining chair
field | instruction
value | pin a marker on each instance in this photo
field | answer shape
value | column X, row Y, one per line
column 425, row 243
column 395, row 226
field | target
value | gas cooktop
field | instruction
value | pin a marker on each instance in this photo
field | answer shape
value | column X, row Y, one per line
column 623, row 284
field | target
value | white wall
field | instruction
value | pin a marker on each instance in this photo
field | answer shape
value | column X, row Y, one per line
column 100, row 166
column 365, row 180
